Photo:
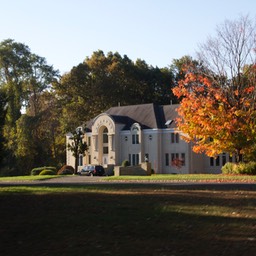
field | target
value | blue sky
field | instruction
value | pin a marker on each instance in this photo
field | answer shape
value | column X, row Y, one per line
column 65, row 32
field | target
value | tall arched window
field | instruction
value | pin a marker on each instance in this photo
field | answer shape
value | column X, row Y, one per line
column 105, row 135
column 135, row 135
column 105, row 141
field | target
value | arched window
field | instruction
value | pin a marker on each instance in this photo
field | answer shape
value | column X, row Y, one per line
column 135, row 135
column 105, row 141
column 105, row 135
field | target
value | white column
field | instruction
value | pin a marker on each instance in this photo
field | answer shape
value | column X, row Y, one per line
column 95, row 142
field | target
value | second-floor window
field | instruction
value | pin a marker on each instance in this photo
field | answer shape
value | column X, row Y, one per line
column 135, row 139
column 135, row 135
column 175, row 137
column 105, row 135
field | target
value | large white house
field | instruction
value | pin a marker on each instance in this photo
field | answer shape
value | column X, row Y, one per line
column 141, row 133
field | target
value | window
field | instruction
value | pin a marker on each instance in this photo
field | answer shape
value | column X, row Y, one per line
column 183, row 158
column 90, row 159
column 89, row 141
column 211, row 161
column 135, row 134
column 146, row 157
column 174, row 156
column 218, row 161
column 224, row 160
column 137, row 159
column 105, row 135
column 80, row 160
column 177, row 159
column 175, row 137
column 166, row 159
column 105, row 150
column 135, row 139
column 134, row 159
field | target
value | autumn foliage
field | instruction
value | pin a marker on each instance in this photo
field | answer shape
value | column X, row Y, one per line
column 218, row 117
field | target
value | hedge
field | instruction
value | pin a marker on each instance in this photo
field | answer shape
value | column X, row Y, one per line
column 38, row 170
column 47, row 172
column 239, row 168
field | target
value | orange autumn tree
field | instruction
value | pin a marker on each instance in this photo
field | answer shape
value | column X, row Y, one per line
column 217, row 109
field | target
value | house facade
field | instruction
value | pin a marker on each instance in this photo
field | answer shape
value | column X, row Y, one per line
column 142, row 133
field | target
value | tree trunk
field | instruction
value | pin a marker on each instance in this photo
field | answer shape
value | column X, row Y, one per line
column 76, row 163
column 239, row 156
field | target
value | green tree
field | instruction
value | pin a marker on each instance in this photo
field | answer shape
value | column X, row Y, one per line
column 14, row 66
column 103, row 81
column 24, row 77
column 178, row 70
column 2, row 121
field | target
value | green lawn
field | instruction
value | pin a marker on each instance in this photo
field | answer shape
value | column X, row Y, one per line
column 188, row 178
column 29, row 178
column 154, row 177
column 127, row 219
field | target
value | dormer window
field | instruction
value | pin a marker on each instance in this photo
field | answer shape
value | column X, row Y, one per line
column 169, row 122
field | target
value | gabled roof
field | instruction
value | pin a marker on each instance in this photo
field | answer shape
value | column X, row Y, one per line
column 149, row 116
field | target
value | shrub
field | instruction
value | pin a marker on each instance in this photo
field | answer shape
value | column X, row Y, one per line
column 251, row 167
column 37, row 171
column 66, row 169
column 247, row 168
column 229, row 168
column 239, row 168
column 125, row 163
column 47, row 172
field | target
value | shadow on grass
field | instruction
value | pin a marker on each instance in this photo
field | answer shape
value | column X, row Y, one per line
column 129, row 220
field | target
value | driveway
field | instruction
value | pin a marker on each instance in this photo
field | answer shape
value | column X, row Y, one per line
column 69, row 179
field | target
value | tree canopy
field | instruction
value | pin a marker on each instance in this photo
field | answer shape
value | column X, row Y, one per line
column 24, row 80
column 218, row 97
column 103, row 81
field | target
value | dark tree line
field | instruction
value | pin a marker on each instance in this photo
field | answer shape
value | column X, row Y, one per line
column 103, row 81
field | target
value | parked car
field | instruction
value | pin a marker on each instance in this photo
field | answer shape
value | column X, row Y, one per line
column 92, row 170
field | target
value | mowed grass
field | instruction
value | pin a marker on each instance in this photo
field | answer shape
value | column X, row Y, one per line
column 187, row 178
column 154, row 177
column 29, row 178
column 128, row 219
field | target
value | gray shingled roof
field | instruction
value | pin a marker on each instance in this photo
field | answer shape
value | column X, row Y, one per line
column 149, row 116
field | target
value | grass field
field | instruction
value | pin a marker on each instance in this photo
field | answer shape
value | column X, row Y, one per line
column 188, row 178
column 154, row 177
column 127, row 219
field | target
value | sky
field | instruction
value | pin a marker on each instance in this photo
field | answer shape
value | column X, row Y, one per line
column 65, row 32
